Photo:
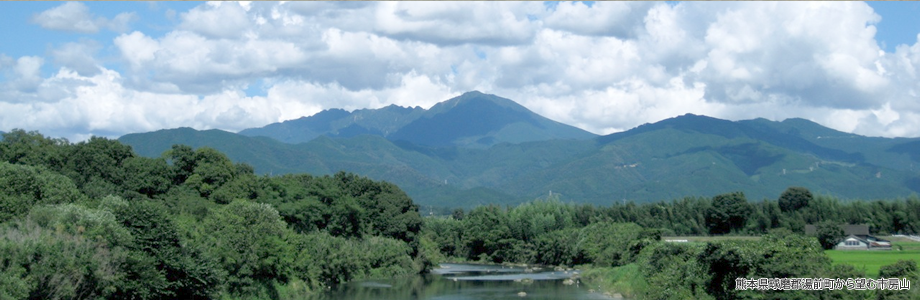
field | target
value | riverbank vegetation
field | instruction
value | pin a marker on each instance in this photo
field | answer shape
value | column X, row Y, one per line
column 621, row 246
column 92, row 220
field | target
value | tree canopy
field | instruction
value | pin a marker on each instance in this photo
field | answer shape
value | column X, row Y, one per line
column 94, row 220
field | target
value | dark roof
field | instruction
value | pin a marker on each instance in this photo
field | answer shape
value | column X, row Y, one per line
column 861, row 229
column 848, row 229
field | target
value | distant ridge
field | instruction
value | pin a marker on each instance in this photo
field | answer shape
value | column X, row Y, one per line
column 474, row 120
column 510, row 155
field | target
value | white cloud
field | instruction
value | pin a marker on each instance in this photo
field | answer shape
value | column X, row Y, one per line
column 75, row 17
column 78, row 57
column 451, row 23
column 217, row 19
column 27, row 75
column 103, row 104
column 822, row 54
column 620, row 19
column 605, row 68
column 136, row 48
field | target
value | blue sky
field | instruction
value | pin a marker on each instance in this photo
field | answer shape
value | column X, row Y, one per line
column 32, row 39
column 900, row 22
column 76, row 69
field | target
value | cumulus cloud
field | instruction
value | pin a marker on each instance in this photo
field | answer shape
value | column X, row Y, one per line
column 620, row 19
column 103, row 104
column 451, row 23
column 813, row 52
column 606, row 67
column 75, row 17
column 26, row 75
column 218, row 20
column 78, row 57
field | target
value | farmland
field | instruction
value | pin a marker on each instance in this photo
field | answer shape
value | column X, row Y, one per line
column 871, row 261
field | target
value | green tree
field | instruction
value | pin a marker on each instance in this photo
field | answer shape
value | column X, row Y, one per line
column 182, row 158
column 903, row 269
column 212, row 170
column 829, row 234
column 795, row 198
column 846, row 271
column 614, row 244
column 39, row 262
column 180, row 272
column 385, row 209
column 729, row 212
column 94, row 224
column 788, row 256
column 446, row 233
column 34, row 149
column 97, row 158
column 674, row 267
column 486, row 234
column 242, row 186
column 249, row 239
column 559, row 247
column 147, row 176
column 23, row 187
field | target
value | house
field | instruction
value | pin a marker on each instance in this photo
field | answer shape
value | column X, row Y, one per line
column 857, row 238
column 863, row 242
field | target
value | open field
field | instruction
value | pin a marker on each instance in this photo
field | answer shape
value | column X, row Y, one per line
column 703, row 239
column 905, row 243
column 871, row 261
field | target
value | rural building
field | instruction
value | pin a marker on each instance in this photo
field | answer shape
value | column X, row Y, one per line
column 857, row 238
column 864, row 242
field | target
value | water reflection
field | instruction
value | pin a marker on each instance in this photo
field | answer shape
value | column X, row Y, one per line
column 465, row 281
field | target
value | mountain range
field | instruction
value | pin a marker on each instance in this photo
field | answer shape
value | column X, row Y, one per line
column 479, row 148
column 473, row 119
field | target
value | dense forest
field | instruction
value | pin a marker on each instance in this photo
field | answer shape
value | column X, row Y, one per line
column 623, row 243
column 93, row 220
column 534, row 232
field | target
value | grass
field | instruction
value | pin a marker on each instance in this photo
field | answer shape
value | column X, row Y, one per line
column 713, row 238
column 625, row 280
column 872, row 261
column 869, row 261
column 902, row 242
column 706, row 239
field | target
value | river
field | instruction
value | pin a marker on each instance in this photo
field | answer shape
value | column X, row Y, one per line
column 470, row 281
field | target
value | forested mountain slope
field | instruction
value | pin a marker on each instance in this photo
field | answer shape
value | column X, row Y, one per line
column 472, row 120
column 688, row 155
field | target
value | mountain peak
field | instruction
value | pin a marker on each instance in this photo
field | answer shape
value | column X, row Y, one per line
column 473, row 92
column 475, row 119
column 478, row 98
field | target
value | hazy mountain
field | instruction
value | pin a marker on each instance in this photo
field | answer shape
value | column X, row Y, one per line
column 420, row 175
column 698, row 155
column 267, row 155
column 473, row 120
column 688, row 155
column 339, row 123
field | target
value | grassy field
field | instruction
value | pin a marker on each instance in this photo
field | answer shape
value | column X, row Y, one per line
column 704, row 239
column 871, row 261
column 625, row 280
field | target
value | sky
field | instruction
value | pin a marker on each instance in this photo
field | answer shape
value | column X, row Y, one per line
column 77, row 69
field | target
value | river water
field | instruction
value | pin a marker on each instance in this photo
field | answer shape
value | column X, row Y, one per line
column 468, row 282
